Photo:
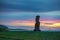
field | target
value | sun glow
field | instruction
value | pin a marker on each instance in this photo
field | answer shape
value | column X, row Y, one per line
column 56, row 25
column 32, row 23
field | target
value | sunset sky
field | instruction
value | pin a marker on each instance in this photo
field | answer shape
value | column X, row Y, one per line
column 20, row 14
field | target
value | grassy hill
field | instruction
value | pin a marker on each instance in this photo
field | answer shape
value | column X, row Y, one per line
column 25, row 35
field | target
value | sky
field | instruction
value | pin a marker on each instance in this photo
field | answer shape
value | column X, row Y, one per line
column 20, row 14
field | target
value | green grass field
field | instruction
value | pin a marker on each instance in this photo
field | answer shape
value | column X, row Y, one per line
column 25, row 35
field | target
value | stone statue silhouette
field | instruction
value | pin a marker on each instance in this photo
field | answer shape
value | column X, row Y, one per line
column 37, row 24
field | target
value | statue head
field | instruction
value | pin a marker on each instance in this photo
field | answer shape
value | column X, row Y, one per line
column 37, row 16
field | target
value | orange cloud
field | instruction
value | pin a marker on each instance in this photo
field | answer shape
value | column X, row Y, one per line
column 51, row 23
column 31, row 23
column 47, row 24
column 56, row 25
column 22, row 23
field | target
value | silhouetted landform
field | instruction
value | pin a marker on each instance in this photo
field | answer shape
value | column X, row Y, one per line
column 3, row 28
column 18, row 30
column 37, row 24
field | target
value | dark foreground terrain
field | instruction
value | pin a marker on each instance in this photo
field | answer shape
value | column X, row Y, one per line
column 25, row 35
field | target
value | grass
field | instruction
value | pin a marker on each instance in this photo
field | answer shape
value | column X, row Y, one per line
column 25, row 35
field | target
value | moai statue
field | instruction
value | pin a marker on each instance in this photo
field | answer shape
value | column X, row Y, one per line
column 37, row 24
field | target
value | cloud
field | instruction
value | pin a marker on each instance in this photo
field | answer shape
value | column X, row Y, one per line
column 28, row 24
column 17, row 15
column 31, row 23
column 31, row 5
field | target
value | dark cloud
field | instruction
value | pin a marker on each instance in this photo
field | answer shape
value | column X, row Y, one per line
column 32, row 5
